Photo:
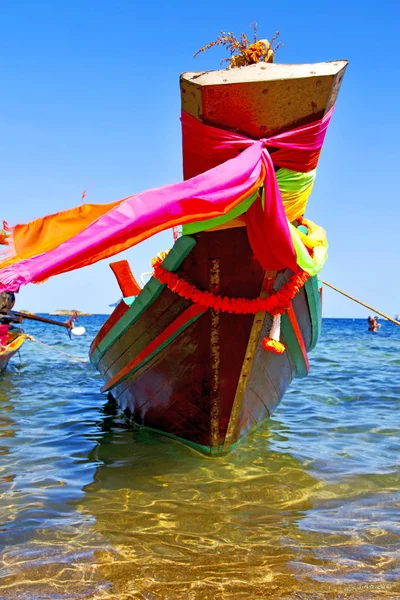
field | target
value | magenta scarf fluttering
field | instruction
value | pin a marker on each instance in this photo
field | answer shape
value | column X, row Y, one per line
column 236, row 166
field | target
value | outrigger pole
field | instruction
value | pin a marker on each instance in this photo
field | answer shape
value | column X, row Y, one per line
column 375, row 310
column 36, row 318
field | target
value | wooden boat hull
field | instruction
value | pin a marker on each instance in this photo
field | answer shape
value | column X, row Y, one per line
column 11, row 348
column 202, row 376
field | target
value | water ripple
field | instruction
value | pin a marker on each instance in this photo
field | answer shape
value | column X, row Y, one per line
column 307, row 508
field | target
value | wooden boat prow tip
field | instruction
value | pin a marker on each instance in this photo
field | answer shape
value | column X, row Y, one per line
column 262, row 99
column 202, row 376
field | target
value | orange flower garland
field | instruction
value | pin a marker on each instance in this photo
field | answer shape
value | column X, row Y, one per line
column 275, row 304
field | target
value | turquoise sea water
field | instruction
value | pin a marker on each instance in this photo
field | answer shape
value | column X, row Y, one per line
column 306, row 508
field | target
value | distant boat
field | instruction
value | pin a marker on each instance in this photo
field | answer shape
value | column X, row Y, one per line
column 69, row 313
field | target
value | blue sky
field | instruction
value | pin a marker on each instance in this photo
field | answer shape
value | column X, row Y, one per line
column 89, row 99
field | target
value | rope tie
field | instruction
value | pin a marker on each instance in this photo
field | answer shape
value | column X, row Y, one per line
column 32, row 339
column 376, row 311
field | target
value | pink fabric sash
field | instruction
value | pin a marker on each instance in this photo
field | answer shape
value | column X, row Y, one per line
column 245, row 164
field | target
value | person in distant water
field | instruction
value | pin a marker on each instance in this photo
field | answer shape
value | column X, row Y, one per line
column 373, row 324
column 73, row 318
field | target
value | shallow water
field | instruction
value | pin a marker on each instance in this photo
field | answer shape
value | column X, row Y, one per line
column 308, row 507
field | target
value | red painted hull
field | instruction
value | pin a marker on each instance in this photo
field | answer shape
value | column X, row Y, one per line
column 190, row 389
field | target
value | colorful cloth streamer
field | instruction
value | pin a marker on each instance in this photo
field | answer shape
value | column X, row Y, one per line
column 239, row 167
column 46, row 233
column 295, row 190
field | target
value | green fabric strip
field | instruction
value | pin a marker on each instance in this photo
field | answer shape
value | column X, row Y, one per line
column 288, row 181
column 294, row 181
column 210, row 223
column 310, row 264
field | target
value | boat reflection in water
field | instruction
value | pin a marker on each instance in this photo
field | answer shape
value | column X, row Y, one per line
column 253, row 524
column 93, row 509
column 178, row 523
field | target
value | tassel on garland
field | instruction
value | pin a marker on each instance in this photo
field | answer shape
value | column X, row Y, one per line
column 272, row 343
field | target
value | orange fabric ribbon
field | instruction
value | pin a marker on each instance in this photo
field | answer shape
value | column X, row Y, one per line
column 46, row 233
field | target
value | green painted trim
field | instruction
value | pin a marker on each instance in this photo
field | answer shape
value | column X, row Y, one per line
column 241, row 208
column 153, row 288
column 314, row 304
column 156, row 351
column 193, row 445
column 211, row 451
column 293, row 347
